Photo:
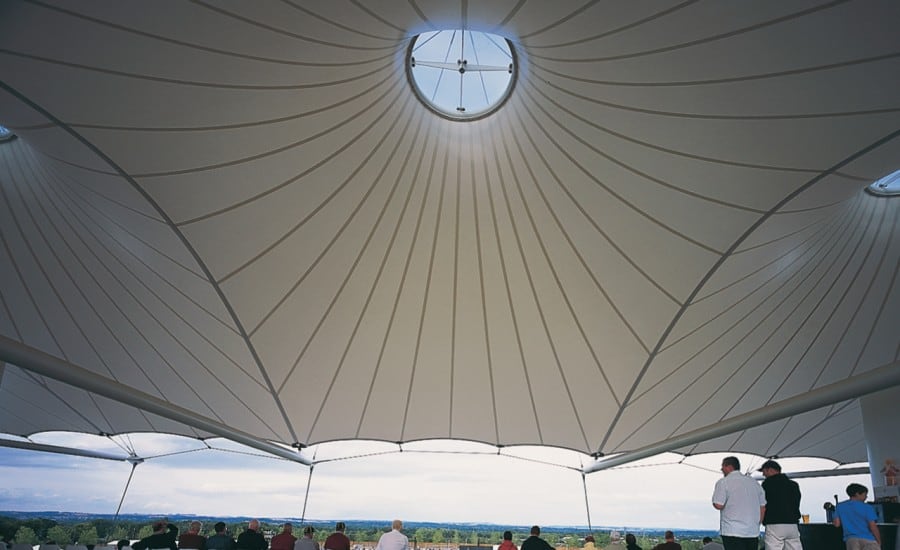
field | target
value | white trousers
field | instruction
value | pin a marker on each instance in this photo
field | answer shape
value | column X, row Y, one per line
column 783, row 536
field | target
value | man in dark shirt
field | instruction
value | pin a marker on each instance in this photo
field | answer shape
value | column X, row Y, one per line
column 535, row 542
column 164, row 536
column 670, row 543
column 221, row 540
column 782, row 508
column 252, row 539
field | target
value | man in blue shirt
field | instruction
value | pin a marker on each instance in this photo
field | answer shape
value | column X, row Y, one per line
column 857, row 519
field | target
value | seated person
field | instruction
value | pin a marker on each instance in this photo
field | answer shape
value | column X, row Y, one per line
column 192, row 539
column 338, row 540
column 285, row 539
column 670, row 543
column 164, row 535
column 221, row 540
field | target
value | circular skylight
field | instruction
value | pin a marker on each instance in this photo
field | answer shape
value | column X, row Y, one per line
column 461, row 74
column 886, row 186
column 6, row 134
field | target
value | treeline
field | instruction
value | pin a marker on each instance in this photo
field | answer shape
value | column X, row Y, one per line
column 101, row 531
column 89, row 532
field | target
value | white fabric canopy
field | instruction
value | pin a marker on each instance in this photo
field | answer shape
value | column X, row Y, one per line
column 242, row 209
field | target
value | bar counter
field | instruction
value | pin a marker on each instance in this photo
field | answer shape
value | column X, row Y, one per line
column 824, row 536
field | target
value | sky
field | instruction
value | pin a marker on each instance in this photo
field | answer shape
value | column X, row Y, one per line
column 438, row 481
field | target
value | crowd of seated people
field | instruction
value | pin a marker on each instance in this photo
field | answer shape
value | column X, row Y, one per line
column 165, row 536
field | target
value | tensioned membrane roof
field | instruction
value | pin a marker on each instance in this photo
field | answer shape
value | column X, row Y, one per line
column 242, row 209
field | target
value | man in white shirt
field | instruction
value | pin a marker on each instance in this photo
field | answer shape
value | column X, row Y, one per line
column 393, row 539
column 742, row 505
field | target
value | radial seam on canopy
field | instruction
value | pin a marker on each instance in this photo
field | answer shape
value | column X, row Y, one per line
column 384, row 259
column 209, row 49
column 169, row 222
column 690, row 43
column 734, row 246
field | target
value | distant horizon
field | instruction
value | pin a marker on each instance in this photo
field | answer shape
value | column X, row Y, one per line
column 178, row 516
column 358, row 481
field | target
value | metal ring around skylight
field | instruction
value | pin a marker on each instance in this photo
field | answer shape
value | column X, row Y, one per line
column 461, row 74
column 888, row 186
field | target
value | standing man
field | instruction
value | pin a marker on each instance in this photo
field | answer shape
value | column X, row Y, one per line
column 285, row 539
column 535, row 542
column 742, row 505
column 393, row 539
column 782, row 508
column 252, row 539
column 858, row 520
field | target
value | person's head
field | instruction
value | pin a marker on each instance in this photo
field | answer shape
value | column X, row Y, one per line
column 857, row 491
column 589, row 538
column 770, row 468
column 535, row 530
column 195, row 527
column 308, row 531
column 707, row 540
column 396, row 525
column 340, row 526
column 122, row 543
column 507, row 535
column 287, row 528
column 670, row 535
column 160, row 525
column 730, row 464
column 219, row 527
column 629, row 539
column 253, row 525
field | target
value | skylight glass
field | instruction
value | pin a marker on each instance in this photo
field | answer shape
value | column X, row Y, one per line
column 461, row 74
column 886, row 186
column 6, row 134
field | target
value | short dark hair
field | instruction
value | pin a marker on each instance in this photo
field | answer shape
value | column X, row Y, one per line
column 219, row 527
column 856, row 489
column 535, row 530
column 629, row 539
column 121, row 543
column 732, row 461
column 340, row 526
column 507, row 535
column 706, row 539
column 670, row 535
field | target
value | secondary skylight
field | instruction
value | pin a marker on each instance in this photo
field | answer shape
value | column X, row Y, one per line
column 886, row 186
column 6, row 134
column 461, row 74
